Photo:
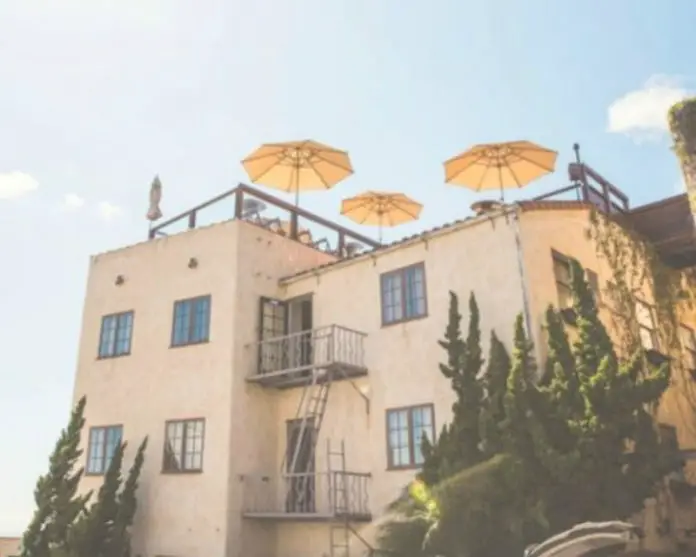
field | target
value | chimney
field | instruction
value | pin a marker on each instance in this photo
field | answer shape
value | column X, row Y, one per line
column 682, row 124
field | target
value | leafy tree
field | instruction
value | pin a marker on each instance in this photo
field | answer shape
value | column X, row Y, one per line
column 579, row 445
column 57, row 502
column 605, row 403
column 62, row 525
column 459, row 444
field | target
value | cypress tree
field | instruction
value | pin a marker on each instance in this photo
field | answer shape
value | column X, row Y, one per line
column 493, row 406
column 127, row 506
column 459, row 444
column 57, row 502
column 95, row 533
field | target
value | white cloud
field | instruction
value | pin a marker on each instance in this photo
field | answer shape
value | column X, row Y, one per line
column 72, row 202
column 16, row 184
column 642, row 114
column 109, row 211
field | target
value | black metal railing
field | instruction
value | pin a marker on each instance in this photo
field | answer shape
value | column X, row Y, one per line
column 339, row 494
column 317, row 348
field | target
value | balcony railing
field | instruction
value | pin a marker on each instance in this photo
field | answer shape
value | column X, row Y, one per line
column 290, row 358
column 308, row 496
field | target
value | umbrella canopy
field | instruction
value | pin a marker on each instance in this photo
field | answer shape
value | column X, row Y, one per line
column 381, row 209
column 500, row 165
column 297, row 166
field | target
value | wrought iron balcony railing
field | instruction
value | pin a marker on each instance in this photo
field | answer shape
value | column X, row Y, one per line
column 308, row 496
column 290, row 358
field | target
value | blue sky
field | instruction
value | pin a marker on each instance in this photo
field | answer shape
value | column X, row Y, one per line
column 97, row 96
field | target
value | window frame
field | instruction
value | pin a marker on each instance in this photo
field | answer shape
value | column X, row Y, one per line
column 182, row 448
column 401, row 271
column 112, row 353
column 654, row 337
column 591, row 277
column 689, row 352
column 191, row 321
column 105, row 465
column 412, row 465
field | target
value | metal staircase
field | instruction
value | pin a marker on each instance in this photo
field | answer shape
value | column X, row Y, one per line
column 310, row 414
column 339, row 533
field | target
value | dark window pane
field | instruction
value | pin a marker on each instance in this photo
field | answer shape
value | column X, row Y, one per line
column 103, row 442
column 107, row 340
column 191, row 321
column 115, row 336
column 403, row 294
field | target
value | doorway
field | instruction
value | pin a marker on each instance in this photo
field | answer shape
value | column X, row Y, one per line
column 273, row 329
column 300, row 325
column 301, row 484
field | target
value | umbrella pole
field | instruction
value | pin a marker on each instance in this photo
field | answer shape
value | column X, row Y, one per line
column 380, row 228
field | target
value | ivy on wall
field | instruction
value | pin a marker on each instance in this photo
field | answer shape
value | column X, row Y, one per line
column 637, row 272
column 682, row 124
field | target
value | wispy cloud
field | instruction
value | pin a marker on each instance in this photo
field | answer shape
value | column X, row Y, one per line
column 72, row 202
column 642, row 113
column 109, row 211
column 16, row 184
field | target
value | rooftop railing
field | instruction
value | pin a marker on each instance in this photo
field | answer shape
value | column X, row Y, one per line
column 271, row 213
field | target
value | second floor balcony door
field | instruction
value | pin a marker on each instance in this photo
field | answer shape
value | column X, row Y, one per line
column 273, row 330
column 300, row 329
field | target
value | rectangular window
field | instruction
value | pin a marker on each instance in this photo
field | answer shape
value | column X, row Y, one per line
column 646, row 324
column 103, row 441
column 688, row 343
column 115, row 336
column 405, row 430
column 183, row 446
column 403, row 294
column 562, row 272
column 191, row 321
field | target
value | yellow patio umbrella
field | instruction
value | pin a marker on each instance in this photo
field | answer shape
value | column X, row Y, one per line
column 500, row 165
column 381, row 209
column 296, row 166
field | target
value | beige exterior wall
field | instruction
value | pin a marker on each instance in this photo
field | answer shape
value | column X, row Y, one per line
column 402, row 359
column 9, row 547
column 185, row 514
column 192, row 515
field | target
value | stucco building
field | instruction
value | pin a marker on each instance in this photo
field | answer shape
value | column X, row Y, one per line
column 9, row 547
column 228, row 344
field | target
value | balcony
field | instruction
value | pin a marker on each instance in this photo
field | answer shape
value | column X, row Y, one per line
column 308, row 497
column 289, row 361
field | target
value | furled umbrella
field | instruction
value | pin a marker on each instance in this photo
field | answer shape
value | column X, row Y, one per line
column 381, row 209
column 297, row 166
column 500, row 165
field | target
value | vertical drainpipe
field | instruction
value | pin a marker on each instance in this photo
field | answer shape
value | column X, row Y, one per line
column 517, row 210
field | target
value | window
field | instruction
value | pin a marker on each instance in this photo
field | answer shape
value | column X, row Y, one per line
column 191, row 321
column 115, row 336
column 403, row 294
column 688, row 343
column 668, row 435
column 405, row 430
column 103, row 441
column 183, row 446
column 562, row 274
column 646, row 324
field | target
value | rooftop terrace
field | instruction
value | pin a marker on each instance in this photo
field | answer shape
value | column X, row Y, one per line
column 667, row 223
